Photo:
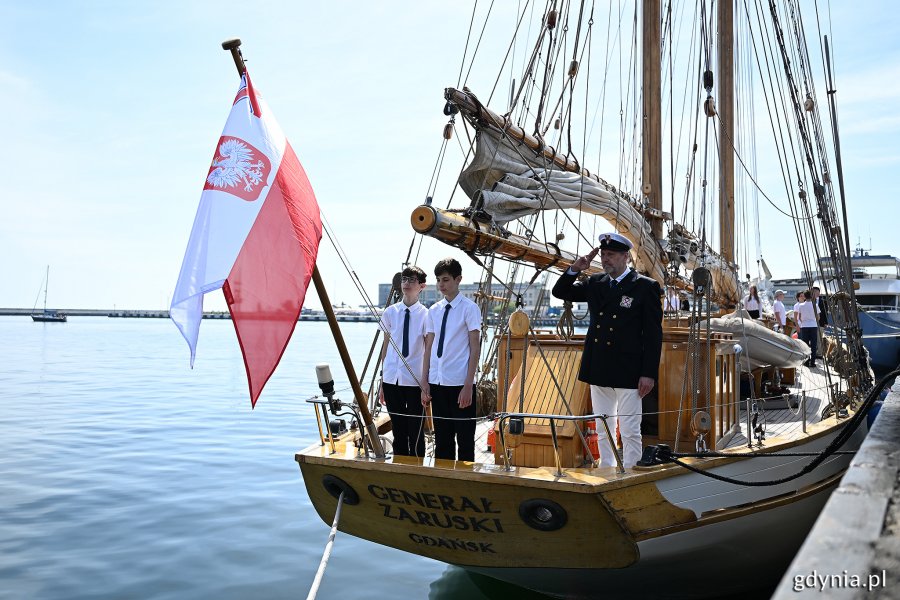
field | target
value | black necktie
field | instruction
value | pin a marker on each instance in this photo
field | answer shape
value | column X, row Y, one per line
column 406, row 333
column 443, row 329
column 613, row 283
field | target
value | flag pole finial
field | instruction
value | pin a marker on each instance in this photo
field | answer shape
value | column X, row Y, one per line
column 234, row 46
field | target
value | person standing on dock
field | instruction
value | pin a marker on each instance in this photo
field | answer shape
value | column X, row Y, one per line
column 624, row 341
column 448, row 371
column 403, row 324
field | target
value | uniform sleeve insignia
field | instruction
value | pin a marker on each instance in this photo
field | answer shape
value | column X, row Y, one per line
column 626, row 301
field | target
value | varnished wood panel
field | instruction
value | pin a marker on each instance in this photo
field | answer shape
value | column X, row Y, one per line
column 551, row 375
column 676, row 365
column 470, row 522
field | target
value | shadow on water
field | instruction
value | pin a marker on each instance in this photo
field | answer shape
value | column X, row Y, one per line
column 459, row 583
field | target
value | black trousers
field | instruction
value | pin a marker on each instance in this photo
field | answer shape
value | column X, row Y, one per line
column 810, row 335
column 404, row 404
column 451, row 434
column 754, row 314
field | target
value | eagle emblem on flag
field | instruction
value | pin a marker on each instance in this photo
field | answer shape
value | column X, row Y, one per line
column 238, row 168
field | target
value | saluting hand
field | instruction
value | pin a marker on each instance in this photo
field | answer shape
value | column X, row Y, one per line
column 583, row 262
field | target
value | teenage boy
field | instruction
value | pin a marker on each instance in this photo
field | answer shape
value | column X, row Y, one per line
column 450, row 363
column 403, row 324
column 780, row 313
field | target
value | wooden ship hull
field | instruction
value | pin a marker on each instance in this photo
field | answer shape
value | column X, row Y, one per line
column 535, row 509
column 550, row 521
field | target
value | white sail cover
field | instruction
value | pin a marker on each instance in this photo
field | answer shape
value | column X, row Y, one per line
column 512, row 183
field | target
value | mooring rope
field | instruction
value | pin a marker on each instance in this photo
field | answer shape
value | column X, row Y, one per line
column 324, row 562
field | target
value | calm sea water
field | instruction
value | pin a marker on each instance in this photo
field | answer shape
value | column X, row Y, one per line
column 125, row 474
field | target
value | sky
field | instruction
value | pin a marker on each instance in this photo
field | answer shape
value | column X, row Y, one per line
column 111, row 113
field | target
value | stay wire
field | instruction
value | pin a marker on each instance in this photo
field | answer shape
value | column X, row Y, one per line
column 462, row 63
column 370, row 306
column 478, row 44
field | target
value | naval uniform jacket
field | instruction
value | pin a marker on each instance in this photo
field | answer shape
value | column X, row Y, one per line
column 624, row 339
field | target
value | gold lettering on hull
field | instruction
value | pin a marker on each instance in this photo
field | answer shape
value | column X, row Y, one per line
column 458, row 513
column 452, row 543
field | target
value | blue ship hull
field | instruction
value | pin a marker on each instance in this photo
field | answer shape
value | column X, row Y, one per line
column 881, row 337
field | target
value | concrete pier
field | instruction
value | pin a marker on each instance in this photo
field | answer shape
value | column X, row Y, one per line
column 853, row 550
column 164, row 314
column 313, row 316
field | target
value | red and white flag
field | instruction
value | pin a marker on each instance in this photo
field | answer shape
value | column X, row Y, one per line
column 255, row 236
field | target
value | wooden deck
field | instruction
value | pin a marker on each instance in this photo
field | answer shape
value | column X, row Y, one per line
column 781, row 423
column 811, row 384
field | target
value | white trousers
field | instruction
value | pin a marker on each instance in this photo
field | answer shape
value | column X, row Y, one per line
column 626, row 404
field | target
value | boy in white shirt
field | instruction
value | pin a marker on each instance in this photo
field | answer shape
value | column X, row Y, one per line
column 780, row 313
column 403, row 324
column 809, row 329
column 448, row 371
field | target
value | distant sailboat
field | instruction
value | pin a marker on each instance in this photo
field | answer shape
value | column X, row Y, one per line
column 48, row 316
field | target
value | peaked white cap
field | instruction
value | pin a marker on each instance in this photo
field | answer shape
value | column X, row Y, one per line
column 615, row 241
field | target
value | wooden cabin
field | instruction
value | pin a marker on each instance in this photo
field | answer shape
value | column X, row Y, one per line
column 543, row 379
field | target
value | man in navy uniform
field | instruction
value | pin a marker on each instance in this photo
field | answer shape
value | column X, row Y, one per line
column 623, row 343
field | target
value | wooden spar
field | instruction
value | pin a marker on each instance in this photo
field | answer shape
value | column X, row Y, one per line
column 361, row 400
column 726, row 129
column 467, row 235
column 234, row 46
column 363, row 403
column 652, row 126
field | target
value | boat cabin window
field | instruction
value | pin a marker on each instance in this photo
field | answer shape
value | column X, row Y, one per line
column 878, row 300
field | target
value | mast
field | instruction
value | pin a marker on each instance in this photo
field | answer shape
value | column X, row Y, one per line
column 46, row 285
column 362, row 402
column 651, row 143
column 725, row 14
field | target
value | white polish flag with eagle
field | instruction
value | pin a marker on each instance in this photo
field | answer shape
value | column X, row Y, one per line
column 255, row 237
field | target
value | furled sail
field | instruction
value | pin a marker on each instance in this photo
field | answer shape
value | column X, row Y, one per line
column 510, row 184
column 513, row 175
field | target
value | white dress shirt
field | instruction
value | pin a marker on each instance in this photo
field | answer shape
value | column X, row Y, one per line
column 451, row 367
column 780, row 314
column 807, row 314
column 393, row 370
column 673, row 302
